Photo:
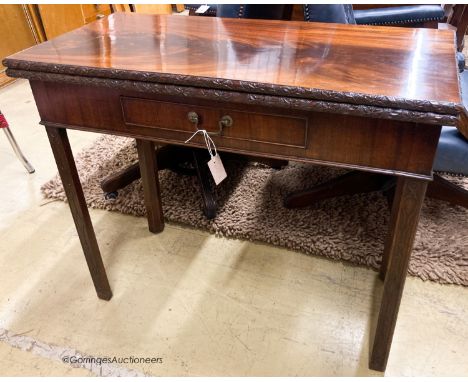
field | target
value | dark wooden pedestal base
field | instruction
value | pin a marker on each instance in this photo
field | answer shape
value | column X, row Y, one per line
column 357, row 182
column 174, row 158
column 442, row 189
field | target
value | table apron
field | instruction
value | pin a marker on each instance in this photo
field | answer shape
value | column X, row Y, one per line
column 365, row 143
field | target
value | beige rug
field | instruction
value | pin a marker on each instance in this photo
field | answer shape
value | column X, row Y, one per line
column 351, row 229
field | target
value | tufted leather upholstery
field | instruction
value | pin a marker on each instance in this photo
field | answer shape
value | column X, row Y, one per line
column 329, row 13
column 255, row 11
column 408, row 14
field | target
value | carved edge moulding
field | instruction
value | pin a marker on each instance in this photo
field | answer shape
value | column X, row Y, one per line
column 292, row 102
column 236, row 85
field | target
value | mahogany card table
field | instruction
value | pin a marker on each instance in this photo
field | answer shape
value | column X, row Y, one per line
column 357, row 97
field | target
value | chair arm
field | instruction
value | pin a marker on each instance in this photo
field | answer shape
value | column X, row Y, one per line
column 411, row 14
column 329, row 13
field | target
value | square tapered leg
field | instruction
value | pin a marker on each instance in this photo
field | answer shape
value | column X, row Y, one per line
column 151, row 189
column 71, row 183
column 407, row 203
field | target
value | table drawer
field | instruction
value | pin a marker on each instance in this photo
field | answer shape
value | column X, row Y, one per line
column 275, row 129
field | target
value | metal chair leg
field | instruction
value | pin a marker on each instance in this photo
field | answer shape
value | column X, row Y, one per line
column 17, row 150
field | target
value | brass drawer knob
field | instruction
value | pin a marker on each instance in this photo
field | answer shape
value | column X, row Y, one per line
column 193, row 117
column 226, row 121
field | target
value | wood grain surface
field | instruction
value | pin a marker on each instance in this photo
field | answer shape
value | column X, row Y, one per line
column 389, row 62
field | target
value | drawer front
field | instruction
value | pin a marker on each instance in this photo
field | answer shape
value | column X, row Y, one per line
column 275, row 129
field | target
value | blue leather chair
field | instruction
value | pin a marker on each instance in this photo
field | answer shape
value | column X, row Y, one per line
column 451, row 156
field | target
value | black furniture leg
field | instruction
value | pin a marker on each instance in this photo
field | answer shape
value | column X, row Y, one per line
column 209, row 203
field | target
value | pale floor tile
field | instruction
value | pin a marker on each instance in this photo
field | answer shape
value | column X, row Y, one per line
column 206, row 305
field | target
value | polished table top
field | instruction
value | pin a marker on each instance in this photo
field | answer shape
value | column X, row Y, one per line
column 311, row 60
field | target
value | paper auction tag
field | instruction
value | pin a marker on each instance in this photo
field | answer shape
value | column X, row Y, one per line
column 202, row 8
column 214, row 164
column 217, row 169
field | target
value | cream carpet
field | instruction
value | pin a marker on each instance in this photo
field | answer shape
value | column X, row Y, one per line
column 350, row 229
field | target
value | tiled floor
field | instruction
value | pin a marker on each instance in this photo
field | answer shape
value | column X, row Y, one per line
column 205, row 305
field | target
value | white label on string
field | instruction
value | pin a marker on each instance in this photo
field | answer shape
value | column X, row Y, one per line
column 202, row 8
column 214, row 164
column 217, row 169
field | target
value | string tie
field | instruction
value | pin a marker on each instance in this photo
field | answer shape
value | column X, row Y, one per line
column 210, row 145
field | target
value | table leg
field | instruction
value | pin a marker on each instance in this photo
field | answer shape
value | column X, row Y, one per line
column 151, row 190
column 409, row 196
column 386, row 254
column 71, row 183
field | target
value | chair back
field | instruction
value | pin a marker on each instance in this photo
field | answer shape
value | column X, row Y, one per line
column 329, row 13
column 255, row 11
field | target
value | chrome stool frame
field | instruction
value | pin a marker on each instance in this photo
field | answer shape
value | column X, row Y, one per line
column 6, row 128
